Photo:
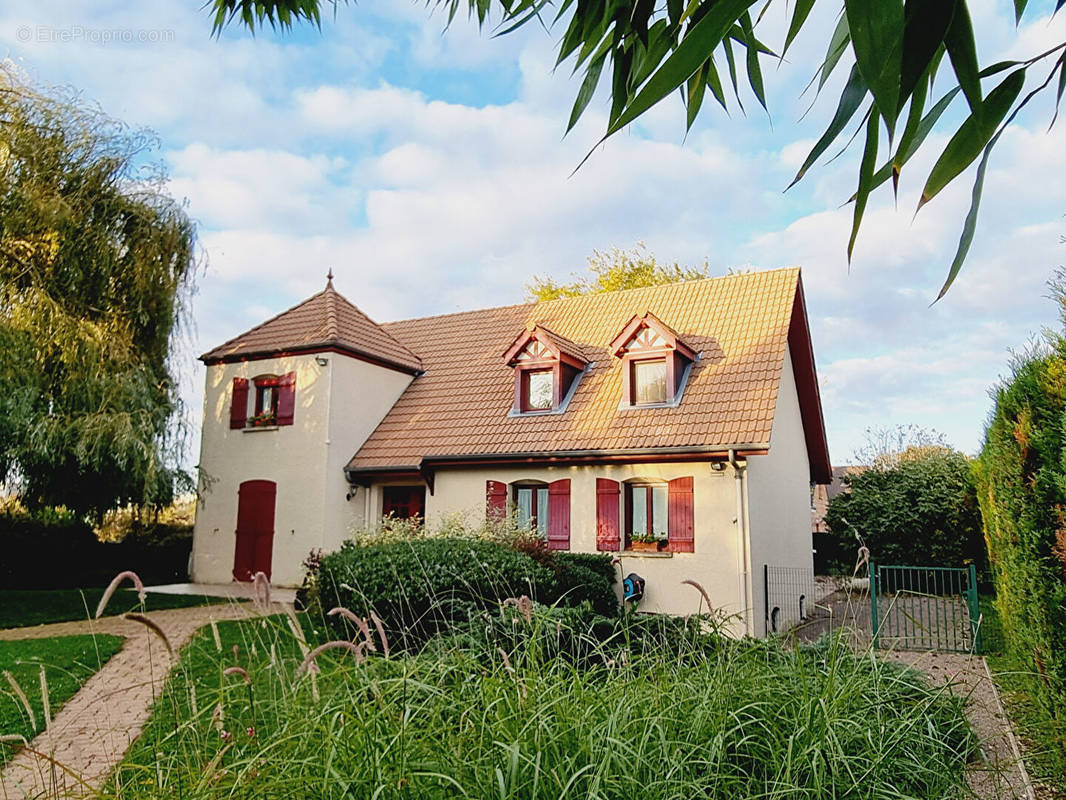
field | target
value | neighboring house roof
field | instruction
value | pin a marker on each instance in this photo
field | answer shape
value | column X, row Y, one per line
column 823, row 494
column 325, row 321
column 740, row 325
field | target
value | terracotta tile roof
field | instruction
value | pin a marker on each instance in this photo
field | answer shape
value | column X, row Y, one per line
column 739, row 324
column 324, row 320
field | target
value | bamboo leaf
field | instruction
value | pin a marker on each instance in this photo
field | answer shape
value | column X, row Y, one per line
column 973, row 135
column 587, row 90
column 876, row 28
column 697, row 85
column 910, row 131
column 1062, row 86
column 754, row 70
column 1019, row 9
column 927, row 24
column 698, row 43
column 970, row 224
column 799, row 16
column 850, row 99
column 866, row 171
column 837, row 45
column 715, row 83
column 962, row 50
column 732, row 65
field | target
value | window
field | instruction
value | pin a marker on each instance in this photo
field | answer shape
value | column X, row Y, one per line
column 403, row 502
column 648, row 382
column 266, row 402
column 655, row 362
column 537, row 389
column 647, row 514
column 531, row 502
column 272, row 404
column 546, row 368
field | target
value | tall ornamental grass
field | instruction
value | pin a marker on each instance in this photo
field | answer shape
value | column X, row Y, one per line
column 252, row 712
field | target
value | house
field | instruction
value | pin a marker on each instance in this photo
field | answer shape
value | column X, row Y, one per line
column 686, row 413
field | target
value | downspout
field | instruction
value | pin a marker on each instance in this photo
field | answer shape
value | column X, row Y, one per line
column 743, row 545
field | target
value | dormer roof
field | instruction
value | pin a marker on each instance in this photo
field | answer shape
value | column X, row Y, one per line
column 538, row 339
column 648, row 332
column 324, row 321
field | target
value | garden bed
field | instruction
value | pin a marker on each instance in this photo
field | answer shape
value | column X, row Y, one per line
column 540, row 703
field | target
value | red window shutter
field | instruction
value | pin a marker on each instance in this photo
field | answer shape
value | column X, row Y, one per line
column 682, row 529
column 607, row 529
column 238, row 407
column 559, row 514
column 286, row 398
column 495, row 500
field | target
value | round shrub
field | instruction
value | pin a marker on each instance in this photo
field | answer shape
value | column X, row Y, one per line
column 421, row 587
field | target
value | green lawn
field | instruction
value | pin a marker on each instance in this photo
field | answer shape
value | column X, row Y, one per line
column 19, row 608
column 68, row 662
column 1044, row 738
column 717, row 718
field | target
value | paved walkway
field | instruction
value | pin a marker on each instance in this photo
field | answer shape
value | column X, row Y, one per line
column 92, row 732
column 230, row 591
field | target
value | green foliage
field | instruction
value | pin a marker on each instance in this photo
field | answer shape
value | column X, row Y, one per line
column 47, row 549
column 1021, row 476
column 420, row 587
column 1043, row 735
column 576, row 583
column 68, row 662
column 711, row 718
column 613, row 271
column 921, row 511
column 651, row 51
column 576, row 578
column 96, row 264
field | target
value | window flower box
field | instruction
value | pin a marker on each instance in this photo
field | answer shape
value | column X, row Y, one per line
column 262, row 420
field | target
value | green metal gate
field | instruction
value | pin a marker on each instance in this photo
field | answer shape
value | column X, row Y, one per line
column 925, row 608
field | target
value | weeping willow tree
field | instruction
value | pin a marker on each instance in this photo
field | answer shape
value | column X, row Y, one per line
column 96, row 268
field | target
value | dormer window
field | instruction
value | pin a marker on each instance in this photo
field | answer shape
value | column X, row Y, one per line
column 647, row 382
column 655, row 363
column 538, row 389
column 546, row 369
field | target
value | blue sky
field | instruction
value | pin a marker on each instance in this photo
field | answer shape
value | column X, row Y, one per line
column 429, row 170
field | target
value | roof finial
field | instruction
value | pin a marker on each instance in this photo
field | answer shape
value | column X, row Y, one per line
column 329, row 277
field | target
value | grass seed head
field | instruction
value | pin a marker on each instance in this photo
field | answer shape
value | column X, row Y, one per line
column 21, row 695
column 141, row 618
column 110, row 590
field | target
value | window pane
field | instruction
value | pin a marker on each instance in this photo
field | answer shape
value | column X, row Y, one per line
column 542, row 511
column 649, row 382
column 639, row 522
column 539, row 389
column 658, row 511
column 525, row 507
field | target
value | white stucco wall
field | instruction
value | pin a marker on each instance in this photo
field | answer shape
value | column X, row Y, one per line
column 713, row 563
column 337, row 406
column 779, row 509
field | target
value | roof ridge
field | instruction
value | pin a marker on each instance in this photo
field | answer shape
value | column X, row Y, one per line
column 264, row 323
column 612, row 293
column 332, row 331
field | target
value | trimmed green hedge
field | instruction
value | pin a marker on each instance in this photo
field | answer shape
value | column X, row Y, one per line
column 57, row 553
column 423, row 587
column 1021, row 477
